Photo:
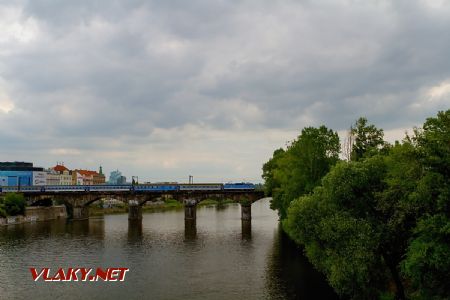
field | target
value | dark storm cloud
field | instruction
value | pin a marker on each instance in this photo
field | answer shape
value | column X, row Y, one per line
column 130, row 75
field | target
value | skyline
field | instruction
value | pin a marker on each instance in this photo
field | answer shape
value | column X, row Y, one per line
column 210, row 88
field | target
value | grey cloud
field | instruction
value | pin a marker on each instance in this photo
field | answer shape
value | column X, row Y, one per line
column 119, row 70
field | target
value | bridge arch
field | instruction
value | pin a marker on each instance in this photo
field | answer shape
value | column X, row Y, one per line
column 77, row 204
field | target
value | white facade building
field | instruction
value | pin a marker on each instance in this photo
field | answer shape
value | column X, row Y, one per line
column 39, row 178
column 65, row 178
column 53, row 178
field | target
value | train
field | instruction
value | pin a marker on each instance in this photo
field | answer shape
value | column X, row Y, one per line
column 148, row 187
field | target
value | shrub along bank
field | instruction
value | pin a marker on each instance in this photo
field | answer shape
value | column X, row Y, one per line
column 12, row 204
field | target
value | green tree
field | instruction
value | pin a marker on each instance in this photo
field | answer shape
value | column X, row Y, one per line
column 427, row 261
column 378, row 221
column 356, row 226
column 2, row 209
column 14, row 204
column 299, row 169
column 396, row 212
column 339, row 228
column 368, row 139
column 270, row 183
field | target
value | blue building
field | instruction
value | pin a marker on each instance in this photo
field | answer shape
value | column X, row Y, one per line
column 17, row 173
column 116, row 177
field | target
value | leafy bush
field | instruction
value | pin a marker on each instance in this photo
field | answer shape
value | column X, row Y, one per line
column 13, row 204
column 2, row 210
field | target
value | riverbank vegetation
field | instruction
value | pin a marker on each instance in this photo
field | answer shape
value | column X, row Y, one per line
column 12, row 204
column 376, row 223
column 168, row 204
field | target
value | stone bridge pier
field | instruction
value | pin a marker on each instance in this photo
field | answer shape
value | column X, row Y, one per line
column 246, row 211
column 134, row 210
column 80, row 212
column 190, row 209
column 78, row 203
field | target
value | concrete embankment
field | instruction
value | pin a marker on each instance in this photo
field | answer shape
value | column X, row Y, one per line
column 36, row 213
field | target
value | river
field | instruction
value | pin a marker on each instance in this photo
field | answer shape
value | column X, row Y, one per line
column 217, row 259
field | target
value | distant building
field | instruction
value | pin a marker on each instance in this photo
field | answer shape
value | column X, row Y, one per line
column 39, row 178
column 59, row 168
column 53, row 177
column 65, row 178
column 21, row 174
column 59, row 175
column 87, row 177
column 99, row 178
column 116, row 177
column 82, row 177
column 77, row 178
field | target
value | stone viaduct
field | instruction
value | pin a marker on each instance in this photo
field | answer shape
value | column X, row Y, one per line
column 77, row 203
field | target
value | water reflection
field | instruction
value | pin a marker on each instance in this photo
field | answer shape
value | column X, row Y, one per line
column 190, row 229
column 291, row 276
column 93, row 228
column 246, row 230
column 135, row 231
column 216, row 256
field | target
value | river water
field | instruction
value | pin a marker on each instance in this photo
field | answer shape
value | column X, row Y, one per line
column 219, row 258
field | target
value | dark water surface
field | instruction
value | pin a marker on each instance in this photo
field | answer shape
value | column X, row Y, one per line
column 218, row 259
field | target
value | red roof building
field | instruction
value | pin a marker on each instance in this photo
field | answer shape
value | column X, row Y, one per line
column 60, row 169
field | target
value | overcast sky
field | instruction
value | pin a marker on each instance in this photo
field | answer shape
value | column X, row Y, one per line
column 164, row 89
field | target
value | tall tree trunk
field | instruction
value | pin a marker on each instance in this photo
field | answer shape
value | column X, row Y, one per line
column 400, row 294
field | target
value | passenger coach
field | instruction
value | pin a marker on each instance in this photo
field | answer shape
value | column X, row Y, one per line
column 136, row 188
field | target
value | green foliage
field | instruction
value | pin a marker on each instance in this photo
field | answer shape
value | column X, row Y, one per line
column 12, row 205
column 99, row 203
column 428, row 258
column 2, row 209
column 368, row 139
column 339, row 229
column 244, row 201
column 379, row 224
column 427, row 262
column 269, row 168
column 434, row 143
column 208, row 202
column 172, row 203
column 296, row 171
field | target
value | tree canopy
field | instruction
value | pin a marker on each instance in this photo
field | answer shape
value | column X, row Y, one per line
column 297, row 170
column 378, row 224
column 12, row 204
column 368, row 139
